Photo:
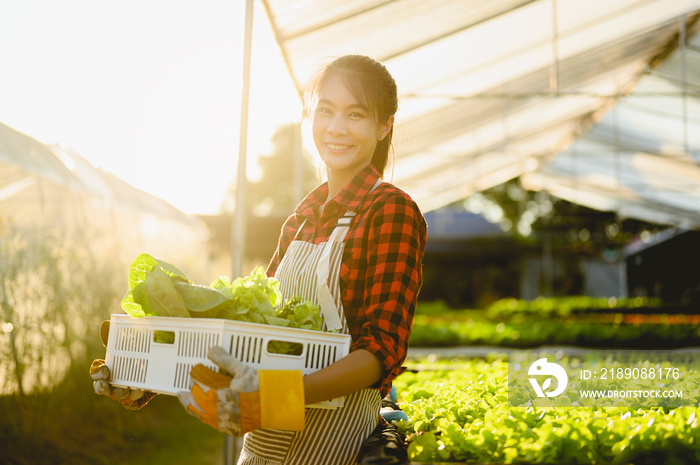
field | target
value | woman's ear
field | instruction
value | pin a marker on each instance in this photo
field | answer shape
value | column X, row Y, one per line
column 385, row 128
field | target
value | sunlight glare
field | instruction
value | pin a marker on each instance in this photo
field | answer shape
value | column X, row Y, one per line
column 158, row 107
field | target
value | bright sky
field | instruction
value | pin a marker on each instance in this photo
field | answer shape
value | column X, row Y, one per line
column 147, row 90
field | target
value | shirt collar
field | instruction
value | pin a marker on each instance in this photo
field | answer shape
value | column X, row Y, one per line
column 349, row 198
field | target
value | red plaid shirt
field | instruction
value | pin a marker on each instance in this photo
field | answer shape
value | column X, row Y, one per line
column 380, row 273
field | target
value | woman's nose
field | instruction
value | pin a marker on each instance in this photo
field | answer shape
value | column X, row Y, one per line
column 337, row 125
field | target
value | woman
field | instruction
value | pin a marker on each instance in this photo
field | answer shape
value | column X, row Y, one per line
column 355, row 246
column 374, row 274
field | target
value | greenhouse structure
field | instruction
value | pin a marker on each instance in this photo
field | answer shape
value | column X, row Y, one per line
column 53, row 190
column 595, row 102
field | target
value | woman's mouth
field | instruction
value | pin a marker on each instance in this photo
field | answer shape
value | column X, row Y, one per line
column 338, row 147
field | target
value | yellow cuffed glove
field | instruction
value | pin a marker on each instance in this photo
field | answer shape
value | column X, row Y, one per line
column 246, row 400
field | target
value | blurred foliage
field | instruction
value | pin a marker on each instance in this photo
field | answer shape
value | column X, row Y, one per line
column 551, row 247
column 565, row 306
column 437, row 325
column 536, row 215
column 275, row 192
column 54, row 292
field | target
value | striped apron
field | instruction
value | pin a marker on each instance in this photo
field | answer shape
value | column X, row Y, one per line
column 331, row 436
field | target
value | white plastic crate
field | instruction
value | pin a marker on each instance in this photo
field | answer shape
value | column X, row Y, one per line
column 136, row 360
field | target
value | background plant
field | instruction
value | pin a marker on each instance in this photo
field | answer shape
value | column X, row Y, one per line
column 458, row 412
column 520, row 324
column 55, row 289
column 54, row 292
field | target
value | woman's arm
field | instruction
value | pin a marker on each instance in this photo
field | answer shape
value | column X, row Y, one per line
column 392, row 274
column 358, row 370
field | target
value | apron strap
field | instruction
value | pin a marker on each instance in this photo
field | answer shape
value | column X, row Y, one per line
column 330, row 312
column 299, row 229
column 331, row 316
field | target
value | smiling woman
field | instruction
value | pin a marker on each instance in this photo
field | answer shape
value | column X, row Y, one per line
column 354, row 246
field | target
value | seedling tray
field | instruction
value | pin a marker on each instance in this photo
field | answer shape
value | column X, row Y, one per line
column 157, row 353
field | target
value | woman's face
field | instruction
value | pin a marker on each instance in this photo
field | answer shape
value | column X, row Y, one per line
column 344, row 130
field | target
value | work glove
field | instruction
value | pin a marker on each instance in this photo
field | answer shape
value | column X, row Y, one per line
column 240, row 399
column 133, row 399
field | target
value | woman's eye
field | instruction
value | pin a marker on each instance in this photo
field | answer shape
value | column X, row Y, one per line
column 356, row 115
column 323, row 110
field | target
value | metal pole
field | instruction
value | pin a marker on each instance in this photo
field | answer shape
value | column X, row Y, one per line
column 232, row 446
column 298, row 177
column 616, row 142
column 554, row 68
column 684, row 83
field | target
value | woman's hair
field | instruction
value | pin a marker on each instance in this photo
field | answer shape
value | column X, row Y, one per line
column 371, row 84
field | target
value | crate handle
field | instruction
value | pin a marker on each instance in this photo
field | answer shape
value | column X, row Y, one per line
column 286, row 348
column 163, row 337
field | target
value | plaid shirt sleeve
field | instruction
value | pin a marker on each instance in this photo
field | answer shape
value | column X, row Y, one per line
column 396, row 240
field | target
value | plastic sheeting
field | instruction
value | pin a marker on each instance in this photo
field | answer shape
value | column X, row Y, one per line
column 56, row 191
column 643, row 159
column 493, row 90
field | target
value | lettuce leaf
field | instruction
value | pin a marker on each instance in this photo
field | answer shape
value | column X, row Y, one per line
column 132, row 309
column 223, row 285
column 199, row 299
column 273, row 320
column 162, row 299
column 145, row 263
column 151, row 290
column 158, row 288
column 303, row 313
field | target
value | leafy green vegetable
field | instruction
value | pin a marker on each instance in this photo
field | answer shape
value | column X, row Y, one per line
column 252, row 297
column 130, row 307
column 458, row 411
column 302, row 312
column 200, row 299
column 158, row 288
column 161, row 296
column 145, row 263
column 152, row 291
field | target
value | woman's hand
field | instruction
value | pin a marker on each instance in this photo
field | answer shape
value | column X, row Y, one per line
column 239, row 399
column 133, row 399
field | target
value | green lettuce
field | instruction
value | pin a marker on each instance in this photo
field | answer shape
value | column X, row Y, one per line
column 302, row 313
column 200, row 300
column 161, row 296
column 158, row 288
column 152, row 291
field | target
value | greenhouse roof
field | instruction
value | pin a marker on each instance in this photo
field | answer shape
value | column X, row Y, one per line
column 592, row 101
column 66, row 169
